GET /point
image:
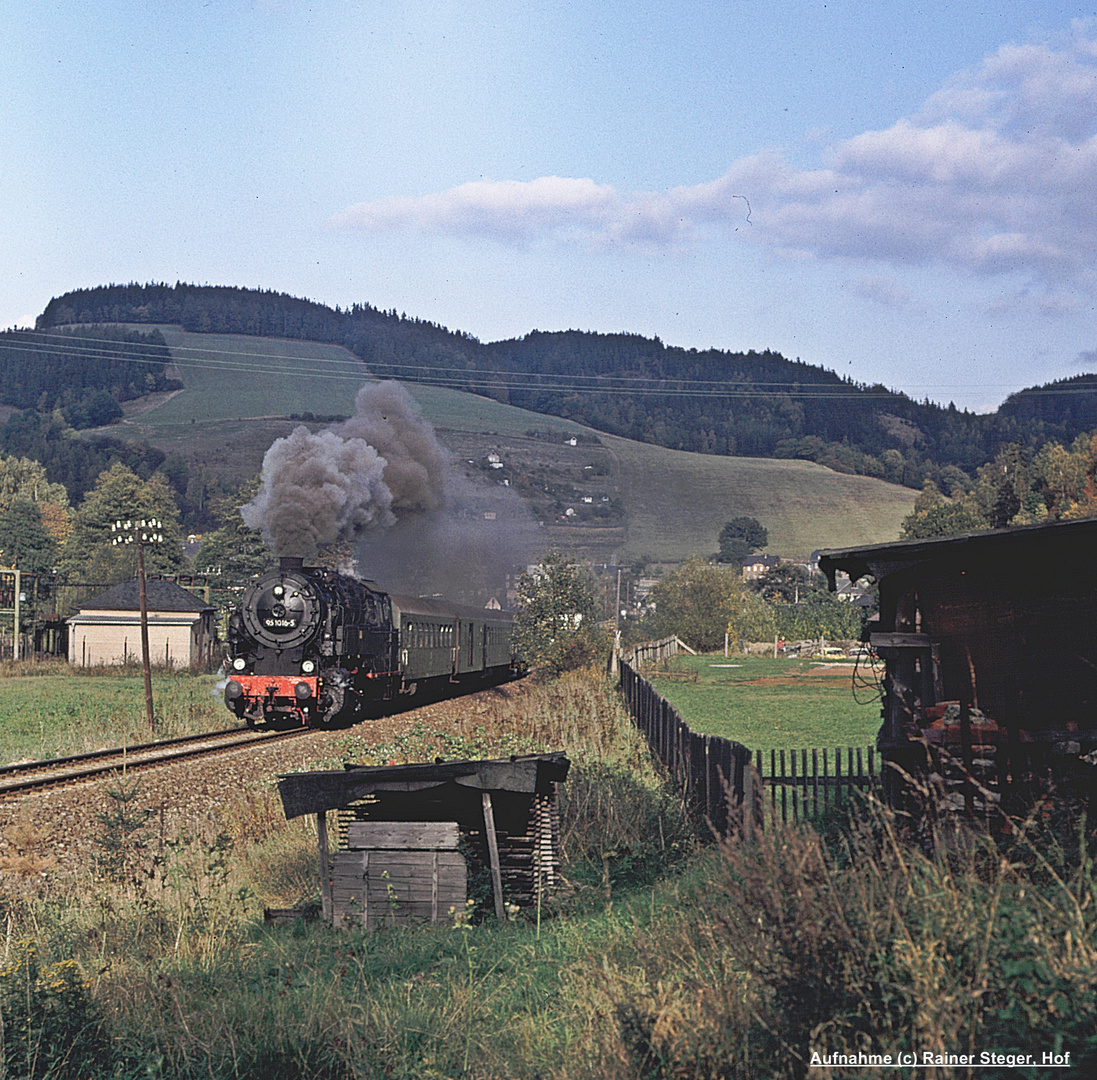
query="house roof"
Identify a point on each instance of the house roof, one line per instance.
(161, 596)
(156, 619)
(761, 560)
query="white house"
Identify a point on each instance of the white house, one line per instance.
(108, 628)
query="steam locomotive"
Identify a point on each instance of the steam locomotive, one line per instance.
(311, 646)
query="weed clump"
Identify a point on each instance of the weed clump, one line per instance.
(868, 946)
(50, 1026)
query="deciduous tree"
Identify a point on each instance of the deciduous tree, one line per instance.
(24, 541)
(234, 551)
(787, 583)
(555, 624)
(740, 537)
(698, 602)
(121, 495)
(934, 516)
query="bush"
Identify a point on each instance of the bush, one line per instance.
(554, 626)
(872, 946)
(619, 832)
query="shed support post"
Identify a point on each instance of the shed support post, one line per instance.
(493, 855)
(325, 868)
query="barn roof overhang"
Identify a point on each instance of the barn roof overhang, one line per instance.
(1063, 540)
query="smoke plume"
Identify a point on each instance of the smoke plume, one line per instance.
(360, 475)
(317, 488)
(416, 464)
(382, 478)
(466, 551)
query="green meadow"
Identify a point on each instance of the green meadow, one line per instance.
(773, 704)
(58, 711)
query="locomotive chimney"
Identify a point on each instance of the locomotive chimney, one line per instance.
(290, 562)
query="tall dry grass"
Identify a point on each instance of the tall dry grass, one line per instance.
(668, 960)
(866, 946)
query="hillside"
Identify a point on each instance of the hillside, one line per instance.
(679, 501)
(645, 500)
(739, 404)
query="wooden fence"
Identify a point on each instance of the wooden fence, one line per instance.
(717, 776)
(807, 784)
(710, 771)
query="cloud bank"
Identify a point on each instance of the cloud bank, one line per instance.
(995, 174)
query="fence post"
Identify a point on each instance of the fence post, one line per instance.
(748, 803)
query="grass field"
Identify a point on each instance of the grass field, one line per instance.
(65, 712)
(773, 704)
(679, 501)
(675, 503)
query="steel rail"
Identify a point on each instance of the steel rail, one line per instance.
(17, 767)
(24, 777)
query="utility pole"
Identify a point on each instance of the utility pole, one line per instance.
(145, 531)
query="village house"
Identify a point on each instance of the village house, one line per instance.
(107, 629)
(754, 566)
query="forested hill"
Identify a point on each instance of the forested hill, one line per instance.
(757, 404)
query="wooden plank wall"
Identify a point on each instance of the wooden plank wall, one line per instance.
(396, 873)
(527, 832)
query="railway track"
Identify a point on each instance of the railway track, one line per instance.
(29, 776)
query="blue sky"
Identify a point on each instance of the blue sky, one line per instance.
(903, 193)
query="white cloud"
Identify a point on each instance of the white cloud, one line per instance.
(553, 206)
(997, 173)
(507, 210)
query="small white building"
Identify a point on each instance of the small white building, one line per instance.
(108, 628)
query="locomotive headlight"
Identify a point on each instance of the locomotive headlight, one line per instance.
(279, 590)
(308, 667)
(239, 664)
(302, 691)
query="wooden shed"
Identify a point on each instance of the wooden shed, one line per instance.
(989, 650)
(415, 840)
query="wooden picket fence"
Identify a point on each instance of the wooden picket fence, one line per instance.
(803, 785)
(718, 776)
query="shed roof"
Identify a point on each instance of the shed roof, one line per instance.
(1061, 541)
(161, 595)
(314, 792)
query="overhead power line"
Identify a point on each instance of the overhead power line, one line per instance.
(248, 361)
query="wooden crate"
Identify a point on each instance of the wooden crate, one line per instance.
(398, 872)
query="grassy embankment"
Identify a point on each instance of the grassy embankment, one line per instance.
(669, 959)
